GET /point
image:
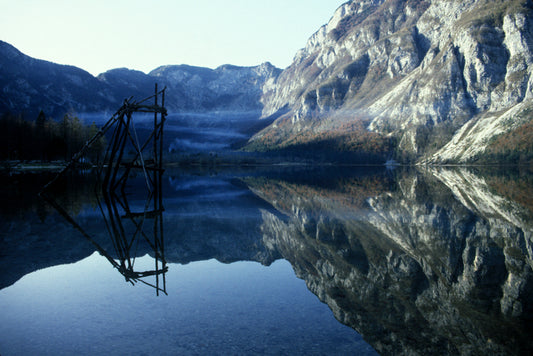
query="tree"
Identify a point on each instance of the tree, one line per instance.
(40, 121)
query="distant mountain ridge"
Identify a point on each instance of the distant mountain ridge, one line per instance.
(30, 85)
(442, 79)
(227, 87)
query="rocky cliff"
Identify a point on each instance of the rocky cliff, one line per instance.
(444, 78)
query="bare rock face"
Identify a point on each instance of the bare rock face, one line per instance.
(433, 74)
(227, 87)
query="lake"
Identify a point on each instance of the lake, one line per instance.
(269, 260)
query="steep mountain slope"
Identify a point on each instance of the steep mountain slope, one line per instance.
(127, 82)
(443, 78)
(30, 85)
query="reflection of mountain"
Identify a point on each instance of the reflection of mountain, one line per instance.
(430, 262)
(205, 218)
(32, 236)
(434, 264)
(213, 217)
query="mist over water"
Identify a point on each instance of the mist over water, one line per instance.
(209, 132)
(193, 132)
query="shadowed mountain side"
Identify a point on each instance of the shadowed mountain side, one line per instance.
(410, 266)
(30, 85)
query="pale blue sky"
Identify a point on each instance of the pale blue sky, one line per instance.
(98, 35)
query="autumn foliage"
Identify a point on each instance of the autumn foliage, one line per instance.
(347, 139)
(515, 146)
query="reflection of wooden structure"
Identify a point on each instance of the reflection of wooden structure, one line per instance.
(128, 152)
(126, 229)
(117, 214)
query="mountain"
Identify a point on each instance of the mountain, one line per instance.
(196, 89)
(443, 80)
(227, 87)
(30, 85)
(422, 81)
(126, 83)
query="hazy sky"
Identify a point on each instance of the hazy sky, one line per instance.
(98, 35)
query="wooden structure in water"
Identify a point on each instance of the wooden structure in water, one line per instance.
(128, 153)
(147, 156)
(125, 135)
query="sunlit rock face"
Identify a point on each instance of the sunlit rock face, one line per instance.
(436, 262)
(443, 77)
(227, 87)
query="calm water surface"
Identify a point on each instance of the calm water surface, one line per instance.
(271, 261)
(211, 308)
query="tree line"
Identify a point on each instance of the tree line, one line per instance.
(45, 139)
(346, 143)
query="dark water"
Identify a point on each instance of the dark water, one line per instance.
(317, 261)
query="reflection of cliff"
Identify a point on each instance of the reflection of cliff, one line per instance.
(434, 264)
(427, 263)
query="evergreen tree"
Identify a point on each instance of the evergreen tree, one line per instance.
(40, 121)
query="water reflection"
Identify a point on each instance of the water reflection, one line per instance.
(211, 309)
(420, 261)
(126, 225)
(427, 262)
(124, 240)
